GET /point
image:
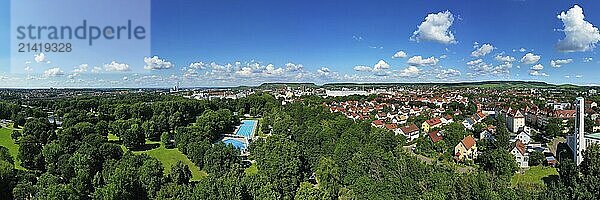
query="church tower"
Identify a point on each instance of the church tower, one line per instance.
(579, 137)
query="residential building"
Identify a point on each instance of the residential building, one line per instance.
(521, 156)
(435, 136)
(393, 127)
(411, 132)
(466, 149)
(524, 135)
(377, 123)
(515, 120)
(430, 124)
(486, 135)
(468, 123)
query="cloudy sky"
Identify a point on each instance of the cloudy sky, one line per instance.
(216, 43)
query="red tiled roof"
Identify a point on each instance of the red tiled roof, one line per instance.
(481, 115)
(409, 129)
(391, 126)
(377, 122)
(564, 113)
(435, 136)
(468, 141)
(520, 146)
(434, 121)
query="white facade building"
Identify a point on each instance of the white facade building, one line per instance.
(524, 136)
(515, 120)
(520, 153)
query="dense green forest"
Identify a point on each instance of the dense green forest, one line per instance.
(304, 152)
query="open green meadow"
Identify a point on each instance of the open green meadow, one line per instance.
(167, 157)
(533, 176)
(7, 141)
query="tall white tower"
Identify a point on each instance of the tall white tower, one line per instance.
(579, 130)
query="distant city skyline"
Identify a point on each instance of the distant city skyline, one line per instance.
(214, 43)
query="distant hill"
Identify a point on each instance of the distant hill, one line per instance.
(480, 84)
(280, 85)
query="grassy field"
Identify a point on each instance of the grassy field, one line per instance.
(252, 170)
(167, 157)
(533, 176)
(6, 141)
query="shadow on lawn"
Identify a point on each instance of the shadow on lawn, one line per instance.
(549, 179)
(146, 147)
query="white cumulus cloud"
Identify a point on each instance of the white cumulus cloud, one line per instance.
(409, 71)
(197, 65)
(80, 68)
(324, 71)
(96, 69)
(245, 71)
(537, 73)
(482, 68)
(507, 58)
(362, 68)
(560, 62)
(580, 35)
(381, 65)
(530, 58)
(537, 67)
(293, 67)
(448, 73)
(53, 72)
(41, 57)
(482, 50)
(475, 62)
(420, 61)
(155, 63)
(435, 28)
(399, 54)
(115, 66)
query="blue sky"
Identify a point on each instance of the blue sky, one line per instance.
(229, 43)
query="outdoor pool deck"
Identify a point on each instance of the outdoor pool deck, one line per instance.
(242, 136)
(246, 129)
(236, 142)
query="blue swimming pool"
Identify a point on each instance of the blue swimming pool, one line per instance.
(246, 128)
(236, 143)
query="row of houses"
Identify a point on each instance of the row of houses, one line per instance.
(469, 122)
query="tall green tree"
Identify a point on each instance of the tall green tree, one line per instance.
(134, 137)
(328, 177)
(180, 173)
(151, 176)
(498, 162)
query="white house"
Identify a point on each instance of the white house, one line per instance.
(486, 135)
(468, 123)
(521, 156)
(515, 120)
(524, 135)
(411, 132)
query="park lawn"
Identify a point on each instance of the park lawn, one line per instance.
(13, 149)
(533, 176)
(167, 157)
(112, 137)
(252, 170)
